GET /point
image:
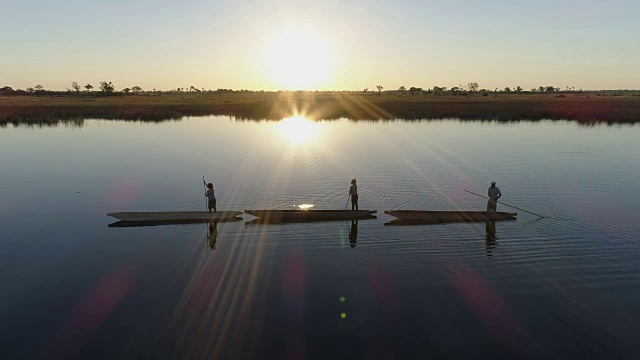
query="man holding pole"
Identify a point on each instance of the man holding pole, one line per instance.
(210, 195)
(494, 194)
(353, 193)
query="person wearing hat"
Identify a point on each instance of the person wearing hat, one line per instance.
(494, 194)
(353, 192)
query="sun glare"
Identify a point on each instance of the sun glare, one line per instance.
(298, 130)
(299, 60)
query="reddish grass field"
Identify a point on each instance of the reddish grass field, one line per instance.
(274, 106)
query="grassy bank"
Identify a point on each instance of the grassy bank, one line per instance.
(258, 106)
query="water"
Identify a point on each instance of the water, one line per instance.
(559, 287)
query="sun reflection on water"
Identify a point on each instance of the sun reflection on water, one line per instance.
(305, 206)
(298, 130)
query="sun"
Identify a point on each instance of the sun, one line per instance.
(299, 60)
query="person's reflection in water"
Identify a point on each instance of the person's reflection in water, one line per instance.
(490, 239)
(353, 233)
(212, 235)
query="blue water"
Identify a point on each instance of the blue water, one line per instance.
(564, 286)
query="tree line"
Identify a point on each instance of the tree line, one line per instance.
(471, 89)
(107, 88)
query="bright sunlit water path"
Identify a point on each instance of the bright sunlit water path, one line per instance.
(544, 288)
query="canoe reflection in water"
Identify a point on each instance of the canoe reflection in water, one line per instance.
(353, 233)
(490, 237)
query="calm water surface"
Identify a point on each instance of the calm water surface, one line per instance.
(567, 286)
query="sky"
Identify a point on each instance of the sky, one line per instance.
(320, 45)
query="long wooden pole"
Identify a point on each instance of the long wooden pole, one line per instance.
(204, 183)
(515, 207)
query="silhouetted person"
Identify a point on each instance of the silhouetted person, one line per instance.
(211, 196)
(353, 193)
(353, 233)
(490, 238)
(494, 194)
(212, 235)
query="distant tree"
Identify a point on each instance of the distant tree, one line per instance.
(473, 86)
(507, 89)
(549, 89)
(402, 89)
(518, 89)
(136, 89)
(7, 90)
(379, 87)
(39, 87)
(126, 90)
(75, 86)
(107, 87)
(365, 90)
(88, 87)
(541, 88)
(30, 90)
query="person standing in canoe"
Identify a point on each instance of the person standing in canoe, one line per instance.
(211, 196)
(494, 194)
(353, 192)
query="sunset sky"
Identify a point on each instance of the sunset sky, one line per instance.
(323, 45)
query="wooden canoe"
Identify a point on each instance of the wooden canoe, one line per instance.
(277, 216)
(122, 224)
(174, 215)
(438, 217)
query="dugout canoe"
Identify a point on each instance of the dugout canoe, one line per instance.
(297, 220)
(127, 224)
(439, 217)
(277, 216)
(174, 215)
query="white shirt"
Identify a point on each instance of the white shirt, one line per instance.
(210, 194)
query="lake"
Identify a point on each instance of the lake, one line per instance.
(563, 286)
